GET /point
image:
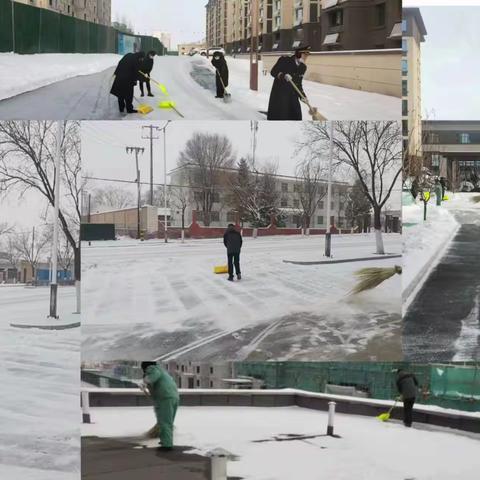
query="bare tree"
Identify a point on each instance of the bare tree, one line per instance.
(114, 198)
(27, 163)
(65, 255)
(357, 208)
(5, 228)
(180, 199)
(30, 247)
(205, 160)
(373, 151)
(310, 186)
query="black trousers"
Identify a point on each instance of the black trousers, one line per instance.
(149, 88)
(233, 259)
(408, 411)
(126, 102)
(220, 89)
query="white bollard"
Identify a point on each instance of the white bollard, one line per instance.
(219, 458)
(331, 416)
(183, 235)
(85, 407)
(255, 232)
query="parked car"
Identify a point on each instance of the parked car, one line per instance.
(203, 52)
(212, 50)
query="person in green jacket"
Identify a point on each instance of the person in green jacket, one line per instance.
(165, 398)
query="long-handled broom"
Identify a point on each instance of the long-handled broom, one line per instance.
(370, 278)
(386, 415)
(313, 111)
(227, 97)
(155, 430)
(167, 104)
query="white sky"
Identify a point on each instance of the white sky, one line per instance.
(184, 19)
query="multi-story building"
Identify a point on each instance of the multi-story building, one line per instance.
(452, 150)
(288, 191)
(96, 11)
(324, 24)
(414, 33)
(186, 48)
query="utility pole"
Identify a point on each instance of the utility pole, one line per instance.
(254, 128)
(137, 151)
(165, 203)
(328, 235)
(254, 45)
(150, 137)
(13, 26)
(33, 256)
(54, 284)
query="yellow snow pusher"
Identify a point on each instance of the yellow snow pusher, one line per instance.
(220, 269)
(143, 108)
(384, 417)
(166, 103)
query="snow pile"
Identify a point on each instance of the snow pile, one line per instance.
(423, 242)
(39, 412)
(463, 201)
(335, 103)
(24, 73)
(368, 449)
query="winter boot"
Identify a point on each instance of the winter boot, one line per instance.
(150, 94)
(230, 279)
(239, 276)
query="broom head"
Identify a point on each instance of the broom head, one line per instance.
(383, 417)
(167, 104)
(227, 97)
(220, 269)
(316, 115)
(144, 109)
(370, 278)
(153, 432)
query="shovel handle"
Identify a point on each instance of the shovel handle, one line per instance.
(303, 97)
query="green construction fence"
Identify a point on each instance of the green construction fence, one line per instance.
(26, 29)
(446, 385)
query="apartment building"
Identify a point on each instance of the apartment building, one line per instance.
(452, 150)
(289, 201)
(414, 33)
(324, 24)
(96, 11)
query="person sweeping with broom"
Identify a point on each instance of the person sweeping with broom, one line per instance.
(221, 77)
(407, 385)
(287, 90)
(164, 393)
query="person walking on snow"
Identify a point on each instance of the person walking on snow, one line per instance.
(407, 385)
(233, 243)
(146, 67)
(438, 192)
(126, 76)
(221, 67)
(443, 183)
(284, 101)
(165, 398)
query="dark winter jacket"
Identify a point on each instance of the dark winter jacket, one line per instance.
(221, 67)
(284, 101)
(126, 75)
(232, 241)
(407, 384)
(146, 67)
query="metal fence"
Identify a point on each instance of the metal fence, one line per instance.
(26, 29)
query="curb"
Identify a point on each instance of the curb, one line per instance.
(47, 327)
(328, 262)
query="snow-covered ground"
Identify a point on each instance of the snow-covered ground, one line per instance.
(23, 73)
(39, 413)
(189, 81)
(143, 288)
(367, 450)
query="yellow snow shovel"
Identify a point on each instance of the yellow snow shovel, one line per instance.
(143, 108)
(383, 417)
(313, 111)
(220, 269)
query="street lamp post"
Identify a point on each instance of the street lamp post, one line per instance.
(165, 203)
(54, 264)
(254, 45)
(328, 234)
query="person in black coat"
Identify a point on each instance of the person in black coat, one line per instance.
(146, 67)
(407, 385)
(220, 64)
(233, 243)
(284, 101)
(126, 76)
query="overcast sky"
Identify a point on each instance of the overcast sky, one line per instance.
(450, 60)
(184, 19)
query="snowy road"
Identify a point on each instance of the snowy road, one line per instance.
(190, 83)
(443, 321)
(39, 414)
(284, 443)
(163, 301)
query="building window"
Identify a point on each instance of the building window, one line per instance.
(320, 219)
(198, 383)
(211, 370)
(404, 88)
(464, 138)
(211, 384)
(284, 187)
(284, 202)
(198, 196)
(404, 108)
(214, 216)
(231, 217)
(434, 138)
(321, 205)
(380, 15)
(404, 26)
(216, 197)
(296, 203)
(404, 66)
(198, 369)
(336, 18)
(405, 128)
(435, 160)
(404, 45)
